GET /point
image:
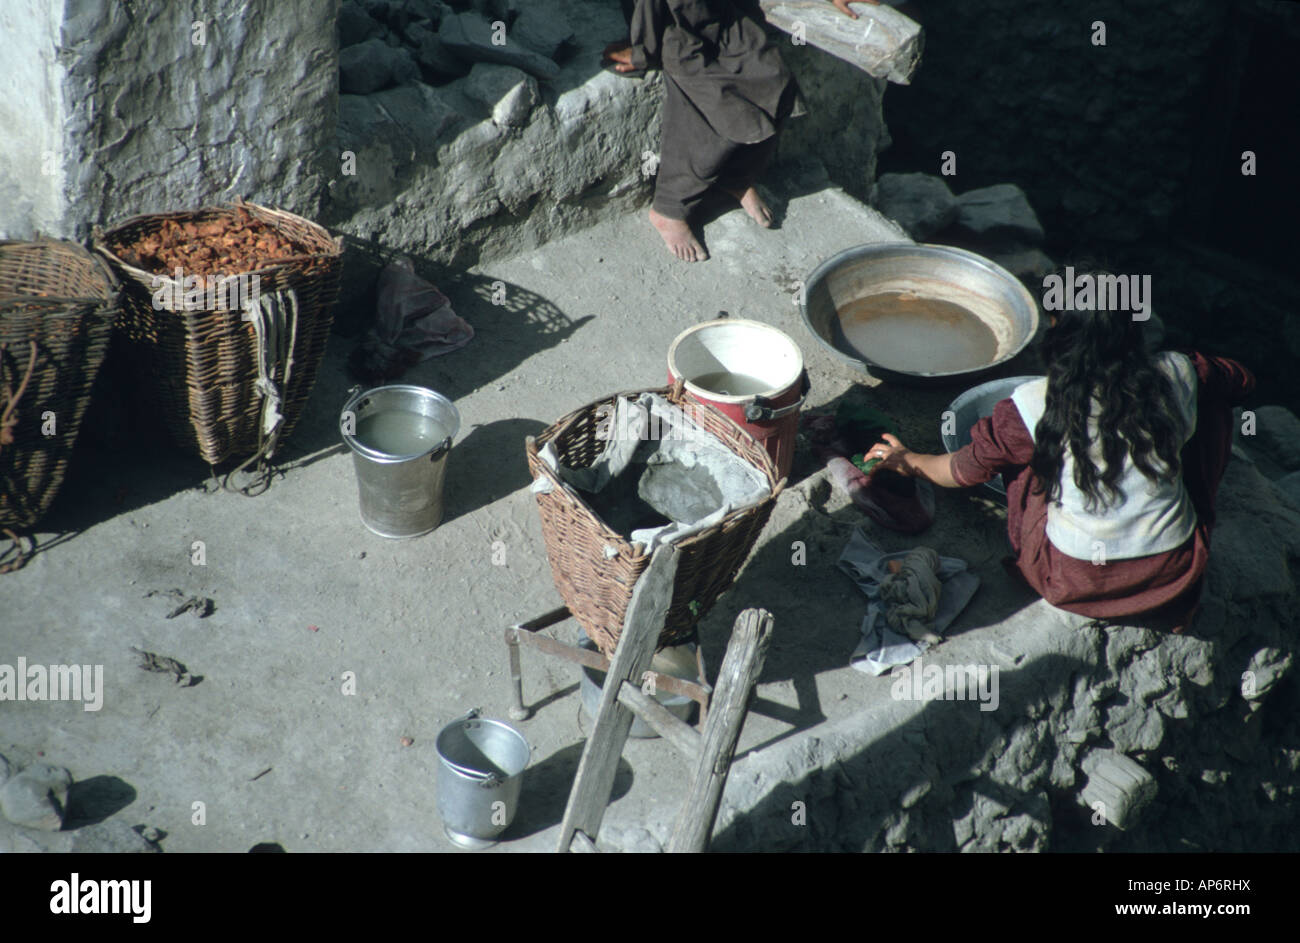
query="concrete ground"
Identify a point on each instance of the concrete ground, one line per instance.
(268, 741)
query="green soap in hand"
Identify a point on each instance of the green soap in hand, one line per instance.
(864, 463)
(862, 427)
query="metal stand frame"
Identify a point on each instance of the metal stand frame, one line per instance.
(530, 634)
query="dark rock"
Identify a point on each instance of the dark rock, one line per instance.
(414, 34)
(1026, 263)
(1278, 434)
(398, 18)
(356, 25)
(36, 797)
(504, 10)
(920, 203)
(997, 212)
(545, 32)
(1289, 485)
(113, 837)
(374, 65)
(431, 10)
(420, 112)
(469, 36)
(437, 61)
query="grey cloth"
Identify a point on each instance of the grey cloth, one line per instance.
(727, 92)
(881, 648)
(686, 474)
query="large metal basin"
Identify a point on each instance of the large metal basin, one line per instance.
(909, 311)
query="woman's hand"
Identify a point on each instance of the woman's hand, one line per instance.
(843, 6)
(892, 453)
(621, 55)
(897, 457)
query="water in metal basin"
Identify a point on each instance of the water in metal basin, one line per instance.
(906, 332)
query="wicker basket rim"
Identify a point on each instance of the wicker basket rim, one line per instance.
(110, 290)
(52, 301)
(560, 425)
(101, 237)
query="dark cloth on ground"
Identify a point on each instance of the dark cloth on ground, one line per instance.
(1163, 586)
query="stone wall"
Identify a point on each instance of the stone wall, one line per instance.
(443, 144)
(149, 106)
(31, 106)
(465, 153)
(1188, 742)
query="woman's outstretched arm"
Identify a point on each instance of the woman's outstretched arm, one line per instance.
(897, 457)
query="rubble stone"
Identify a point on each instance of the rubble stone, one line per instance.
(36, 797)
(374, 65)
(1122, 787)
(470, 35)
(111, 837)
(1001, 211)
(921, 203)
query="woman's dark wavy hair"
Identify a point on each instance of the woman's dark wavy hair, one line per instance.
(1099, 357)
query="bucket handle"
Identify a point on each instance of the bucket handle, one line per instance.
(443, 446)
(490, 780)
(759, 409)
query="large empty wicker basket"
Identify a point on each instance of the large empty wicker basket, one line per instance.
(198, 366)
(597, 586)
(57, 306)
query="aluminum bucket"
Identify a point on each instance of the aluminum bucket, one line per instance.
(400, 436)
(480, 768)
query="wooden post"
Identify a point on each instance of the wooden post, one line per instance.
(882, 42)
(642, 625)
(741, 667)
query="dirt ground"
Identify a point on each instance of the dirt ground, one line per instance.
(268, 741)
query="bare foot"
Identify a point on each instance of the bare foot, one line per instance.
(753, 204)
(681, 241)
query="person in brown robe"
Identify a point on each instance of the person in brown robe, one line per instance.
(727, 93)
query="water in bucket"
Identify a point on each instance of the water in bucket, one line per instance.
(727, 383)
(400, 432)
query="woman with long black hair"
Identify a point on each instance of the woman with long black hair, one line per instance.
(1112, 463)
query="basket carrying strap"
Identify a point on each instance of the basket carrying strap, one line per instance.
(274, 317)
(275, 322)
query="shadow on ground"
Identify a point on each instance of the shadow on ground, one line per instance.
(92, 800)
(123, 460)
(546, 791)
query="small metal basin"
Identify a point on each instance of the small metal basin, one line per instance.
(907, 311)
(972, 406)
